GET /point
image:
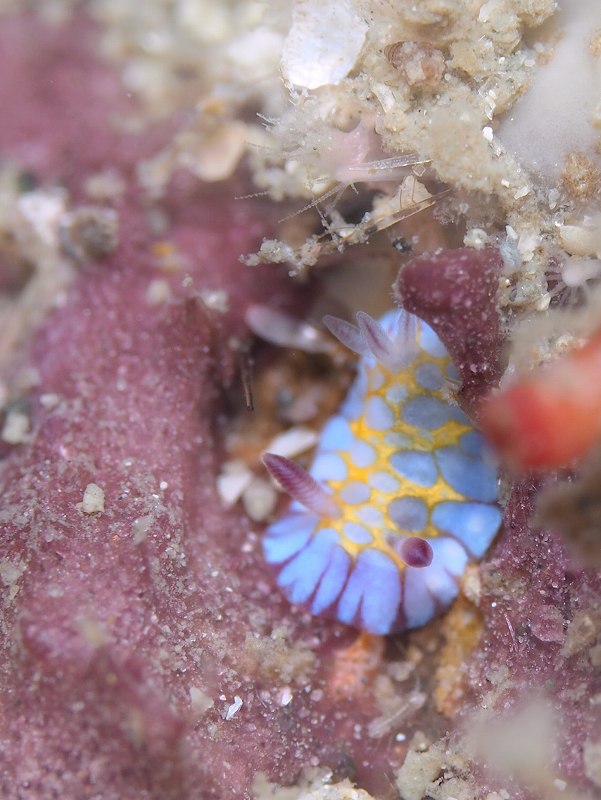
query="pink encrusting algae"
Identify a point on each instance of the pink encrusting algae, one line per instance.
(145, 652)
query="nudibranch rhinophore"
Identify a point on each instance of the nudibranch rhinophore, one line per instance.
(401, 494)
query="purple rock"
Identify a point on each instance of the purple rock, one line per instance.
(145, 651)
(455, 292)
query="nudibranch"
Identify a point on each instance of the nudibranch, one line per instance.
(401, 494)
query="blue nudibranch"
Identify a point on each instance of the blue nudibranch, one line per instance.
(401, 494)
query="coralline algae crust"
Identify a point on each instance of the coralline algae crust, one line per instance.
(145, 652)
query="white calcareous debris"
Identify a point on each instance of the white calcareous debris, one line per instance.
(44, 211)
(93, 499)
(218, 151)
(158, 292)
(233, 481)
(16, 427)
(200, 702)
(216, 300)
(30, 225)
(49, 400)
(141, 527)
(419, 63)
(256, 52)
(527, 243)
(344, 790)
(476, 238)
(272, 251)
(323, 44)
(233, 709)
(259, 499)
(11, 572)
(285, 696)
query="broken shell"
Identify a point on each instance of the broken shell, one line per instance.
(323, 44)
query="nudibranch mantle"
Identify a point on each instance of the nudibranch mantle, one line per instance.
(401, 494)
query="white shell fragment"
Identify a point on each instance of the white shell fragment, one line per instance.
(233, 709)
(323, 44)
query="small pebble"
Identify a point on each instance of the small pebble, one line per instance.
(93, 499)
